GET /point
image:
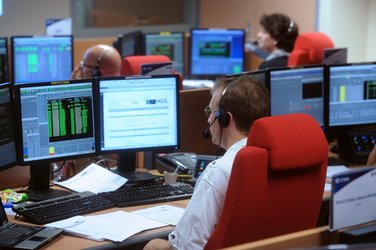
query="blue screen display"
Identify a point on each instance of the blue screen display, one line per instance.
(217, 51)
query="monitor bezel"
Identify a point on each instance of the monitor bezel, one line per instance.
(339, 128)
(134, 150)
(287, 68)
(251, 73)
(12, 38)
(169, 33)
(11, 93)
(17, 89)
(7, 58)
(213, 29)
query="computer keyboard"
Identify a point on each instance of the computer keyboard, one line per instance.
(51, 210)
(149, 193)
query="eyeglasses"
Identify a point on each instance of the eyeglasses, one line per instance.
(208, 111)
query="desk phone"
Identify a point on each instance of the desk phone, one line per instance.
(189, 163)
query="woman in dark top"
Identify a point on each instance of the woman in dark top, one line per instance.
(277, 37)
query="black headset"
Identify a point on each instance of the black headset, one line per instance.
(96, 72)
(222, 116)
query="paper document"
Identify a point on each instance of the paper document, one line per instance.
(164, 213)
(94, 178)
(115, 226)
(353, 198)
(332, 170)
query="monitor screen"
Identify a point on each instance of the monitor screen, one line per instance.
(41, 58)
(4, 59)
(138, 114)
(297, 90)
(351, 94)
(56, 123)
(130, 44)
(170, 44)
(217, 51)
(7, 136)
(57, 120)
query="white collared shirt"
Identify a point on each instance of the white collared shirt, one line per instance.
(202, 213)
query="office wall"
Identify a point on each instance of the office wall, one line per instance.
(351, 24)
(245, 13)
(25, 17)
(371, 41)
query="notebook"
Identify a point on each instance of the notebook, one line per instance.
(19, 236)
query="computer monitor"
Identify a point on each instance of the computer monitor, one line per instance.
(41, 58)
(335, 56)
(170, 44)
(138, 114)
(56, 122)
(216, 52)
(4, 60)
(130, 44)
(351, 95)
(8, 148)
(297, 90)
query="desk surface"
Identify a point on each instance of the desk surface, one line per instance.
(72, 242)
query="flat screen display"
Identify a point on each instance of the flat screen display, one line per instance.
(41, 58)
(351, 94)
(298, 90)
(217, 51)
(57, 120)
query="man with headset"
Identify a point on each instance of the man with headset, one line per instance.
(98, 60)
(235, 104)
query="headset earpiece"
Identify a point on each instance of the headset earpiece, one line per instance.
(223, 118)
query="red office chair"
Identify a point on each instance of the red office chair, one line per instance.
(131, 65)
(308, 48)
(277, 182)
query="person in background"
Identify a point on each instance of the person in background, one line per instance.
(235, 104)
(277, 37)
(98, 60)
(372, 157)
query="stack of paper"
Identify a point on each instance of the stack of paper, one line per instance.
(115, 226)
(94, 178)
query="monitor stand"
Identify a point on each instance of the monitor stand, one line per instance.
(126, 167)
(39, 186)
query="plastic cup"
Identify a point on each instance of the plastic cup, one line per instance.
(170, 177)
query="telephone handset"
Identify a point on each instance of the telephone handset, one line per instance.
(169, 162)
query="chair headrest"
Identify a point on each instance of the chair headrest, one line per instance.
(309, 47)
(294, 141)
(131, 65)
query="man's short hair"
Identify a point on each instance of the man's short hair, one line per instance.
(245, 98)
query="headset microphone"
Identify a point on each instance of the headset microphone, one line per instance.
(206, 133)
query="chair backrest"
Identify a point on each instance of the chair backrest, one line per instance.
(277, 181)
(309, 48)
(131, 65)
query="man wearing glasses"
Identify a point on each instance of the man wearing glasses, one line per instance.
(98, 60)
(235, 104)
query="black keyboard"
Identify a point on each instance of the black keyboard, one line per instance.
(51, 210)
(12, 233)
(149, 193)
